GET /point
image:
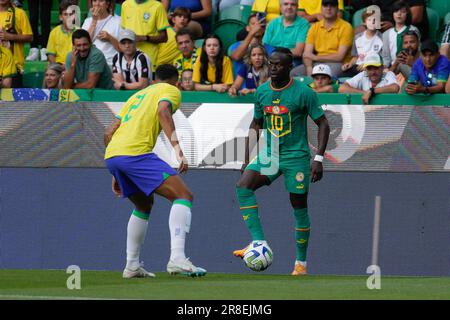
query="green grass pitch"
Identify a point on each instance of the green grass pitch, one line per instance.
(51, 284)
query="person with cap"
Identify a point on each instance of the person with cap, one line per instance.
(429, 73)
(86, 66)
(372, 80)
(131, 68)
(323, 80)
(328, 41)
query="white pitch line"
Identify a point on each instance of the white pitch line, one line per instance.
(19, 296)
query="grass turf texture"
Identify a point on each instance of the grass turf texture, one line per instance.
(51, 284)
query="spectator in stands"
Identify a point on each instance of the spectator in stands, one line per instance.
(201, 12)
(213, 71)
(255, 32)
(53, 76)
(186, 83)
(60, 39)
(86, 66)
(328, 41)
(392, 38)
(149, 22)
(39, 9)
(288, 31)
(429, 73)
(131, 68)
(253, 72)
(188, 53)
(323, 81)
(168, 51)
(104, 28)
(7, 68)
(311, 10)
(408, 55)
(269, 9)
(445, 42)
(367, 41)
(15, 31)
(371, 81)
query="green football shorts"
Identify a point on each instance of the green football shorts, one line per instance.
(296, 171)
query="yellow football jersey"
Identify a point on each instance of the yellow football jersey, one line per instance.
(140, 127)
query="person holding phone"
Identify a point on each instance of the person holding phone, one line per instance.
(429, 74)
(408, 55)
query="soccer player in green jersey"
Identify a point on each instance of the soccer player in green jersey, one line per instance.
(281, 110)
(138, 173)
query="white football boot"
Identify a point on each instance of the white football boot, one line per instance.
(186, 268)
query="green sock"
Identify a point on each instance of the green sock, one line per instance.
(249, 210)
(302, 229)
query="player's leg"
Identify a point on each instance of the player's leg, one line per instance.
(175, 190)
(296, 174)
(136, 232)
(299, 204)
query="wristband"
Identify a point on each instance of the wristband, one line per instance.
(318, 158)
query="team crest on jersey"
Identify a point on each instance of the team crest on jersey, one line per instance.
(299, 176)
(146, 16)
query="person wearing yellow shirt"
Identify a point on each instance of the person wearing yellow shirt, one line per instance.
(60, 39)
(148, 20)
(213, 71)
(15, 30)
(329, 41)
(138, 173)
(168, 51)
(311, 10)
(7, 68)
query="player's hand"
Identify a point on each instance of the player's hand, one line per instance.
(316, 171)
(116, 188)
(183, 163)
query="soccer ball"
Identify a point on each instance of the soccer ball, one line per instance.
(258, 256)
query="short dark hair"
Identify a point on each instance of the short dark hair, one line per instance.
(65, 4)
(183, 32)
(80, 33)
(166, 72)
(182, 11)
(285, 51)
(411, 33)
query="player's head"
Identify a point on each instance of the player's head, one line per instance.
(280, 63)
(167, 73)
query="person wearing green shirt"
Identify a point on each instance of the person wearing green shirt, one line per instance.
(86, 66)
(282, 107)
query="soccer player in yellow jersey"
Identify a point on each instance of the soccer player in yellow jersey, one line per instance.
(138, 173)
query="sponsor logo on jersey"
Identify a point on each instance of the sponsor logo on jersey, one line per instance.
(300, 186)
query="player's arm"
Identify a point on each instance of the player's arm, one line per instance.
(168, 126)
(252, 139)
(322, 138)
(109, 131)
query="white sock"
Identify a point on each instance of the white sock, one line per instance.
(136, 231)
(179, 225)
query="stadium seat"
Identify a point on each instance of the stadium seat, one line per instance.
(33, 79)
(235, 12)
(199, 43)
(357, 19)
(227, 31)
(447, 18)
(433, 23)
(442, 7)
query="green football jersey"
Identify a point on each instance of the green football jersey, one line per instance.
(285, 112)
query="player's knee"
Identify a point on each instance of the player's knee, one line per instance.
(186, 194)
(299, 201)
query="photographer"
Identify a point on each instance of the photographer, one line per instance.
(408, 55)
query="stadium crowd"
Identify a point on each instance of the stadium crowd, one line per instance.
(120, 43)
